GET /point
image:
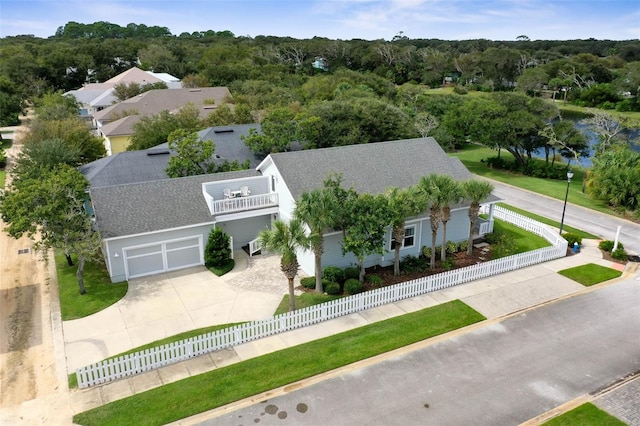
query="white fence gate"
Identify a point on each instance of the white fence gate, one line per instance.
(128, 365)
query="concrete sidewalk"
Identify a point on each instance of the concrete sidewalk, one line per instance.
(493, 297)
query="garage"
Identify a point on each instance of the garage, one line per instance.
(162, 257)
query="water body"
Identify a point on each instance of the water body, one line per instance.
(633, 135)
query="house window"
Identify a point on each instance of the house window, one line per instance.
(409, 238)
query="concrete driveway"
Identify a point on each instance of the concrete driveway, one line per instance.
(163, 305)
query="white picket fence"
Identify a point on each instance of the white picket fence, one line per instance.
(128, 365)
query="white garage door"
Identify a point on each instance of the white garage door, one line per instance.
(161, 257)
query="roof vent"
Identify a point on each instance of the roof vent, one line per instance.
(222, 130)
(158, 152)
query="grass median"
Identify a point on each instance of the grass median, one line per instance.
(219, 387)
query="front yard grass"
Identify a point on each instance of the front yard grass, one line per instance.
(216, 388)
(590, 274)
(73, 379)
(550, 222)
(472, 154)
(304, 300)
(523, 240)
(585, 415)
(101, 292)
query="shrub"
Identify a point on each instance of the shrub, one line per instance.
(449, 263)
(308, 282)
(426, 252)
(607, 245)
(460, 90)
(218, 251)
(497, 163)
(352, 286)
(333, 273)
(619, 253)
(332, 288)
(452, 247)
(572, 238)
(413, 264)
(351, 272)
(220, 270)
(375, 280)
(502, 244)
(463, 245)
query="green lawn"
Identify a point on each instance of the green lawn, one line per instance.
(472, 154)
(206, 391)
(304, 300)
(590, 274)
(101, 292)
(585, 415)
(524, 240)
(550, 222)
(73, 379)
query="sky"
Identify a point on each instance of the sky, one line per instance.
(342, 19)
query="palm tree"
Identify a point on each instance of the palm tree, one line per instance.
(428, 186)
(317, 209)
(402, 203)
(450, 193)
(286, 238)
(475, 191)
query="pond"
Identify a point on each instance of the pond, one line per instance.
(577, 119)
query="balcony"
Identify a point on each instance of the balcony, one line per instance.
(239, 203)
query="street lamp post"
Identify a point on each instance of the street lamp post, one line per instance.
(566, 196)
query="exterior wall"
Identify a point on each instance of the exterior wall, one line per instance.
(245, 230)
(116, 266)
(286, 202)
(119, 143)
(457, 230)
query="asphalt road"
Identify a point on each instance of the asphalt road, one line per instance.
(502, 374)
(587, 220)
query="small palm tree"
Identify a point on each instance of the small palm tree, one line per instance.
(286, 239)
(402, 204)
(450, 193)
(428, 186)
(317, 209)
(475, 191)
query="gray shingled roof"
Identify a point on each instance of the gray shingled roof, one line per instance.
(368, 168)
(153, 206)
(139, 166)
(158, 100)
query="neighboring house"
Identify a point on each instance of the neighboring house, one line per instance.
(163, 225)
(95, 97)
(151, 164)
(114, 121)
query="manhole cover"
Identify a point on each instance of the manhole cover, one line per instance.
(23, 251)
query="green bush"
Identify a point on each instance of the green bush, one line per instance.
(352, 286)
(308, 282)
(503, 244)
(607, 245)
(333, 273)
(426, 252)
(460, 90)
(218, 251)
(375, 280)
(572, 238)
(351, 272)
(619, 253)
(452, 247)
(332, 288)
(220, 270)
(463, 245)
(449, 263)
(413, 264)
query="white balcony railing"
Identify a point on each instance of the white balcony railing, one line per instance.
(238, 204)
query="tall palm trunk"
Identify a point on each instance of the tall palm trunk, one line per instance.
(474, 212)
(318, 249)
(292, 296)
(446, 216)
(398, 236)
(434, 217)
